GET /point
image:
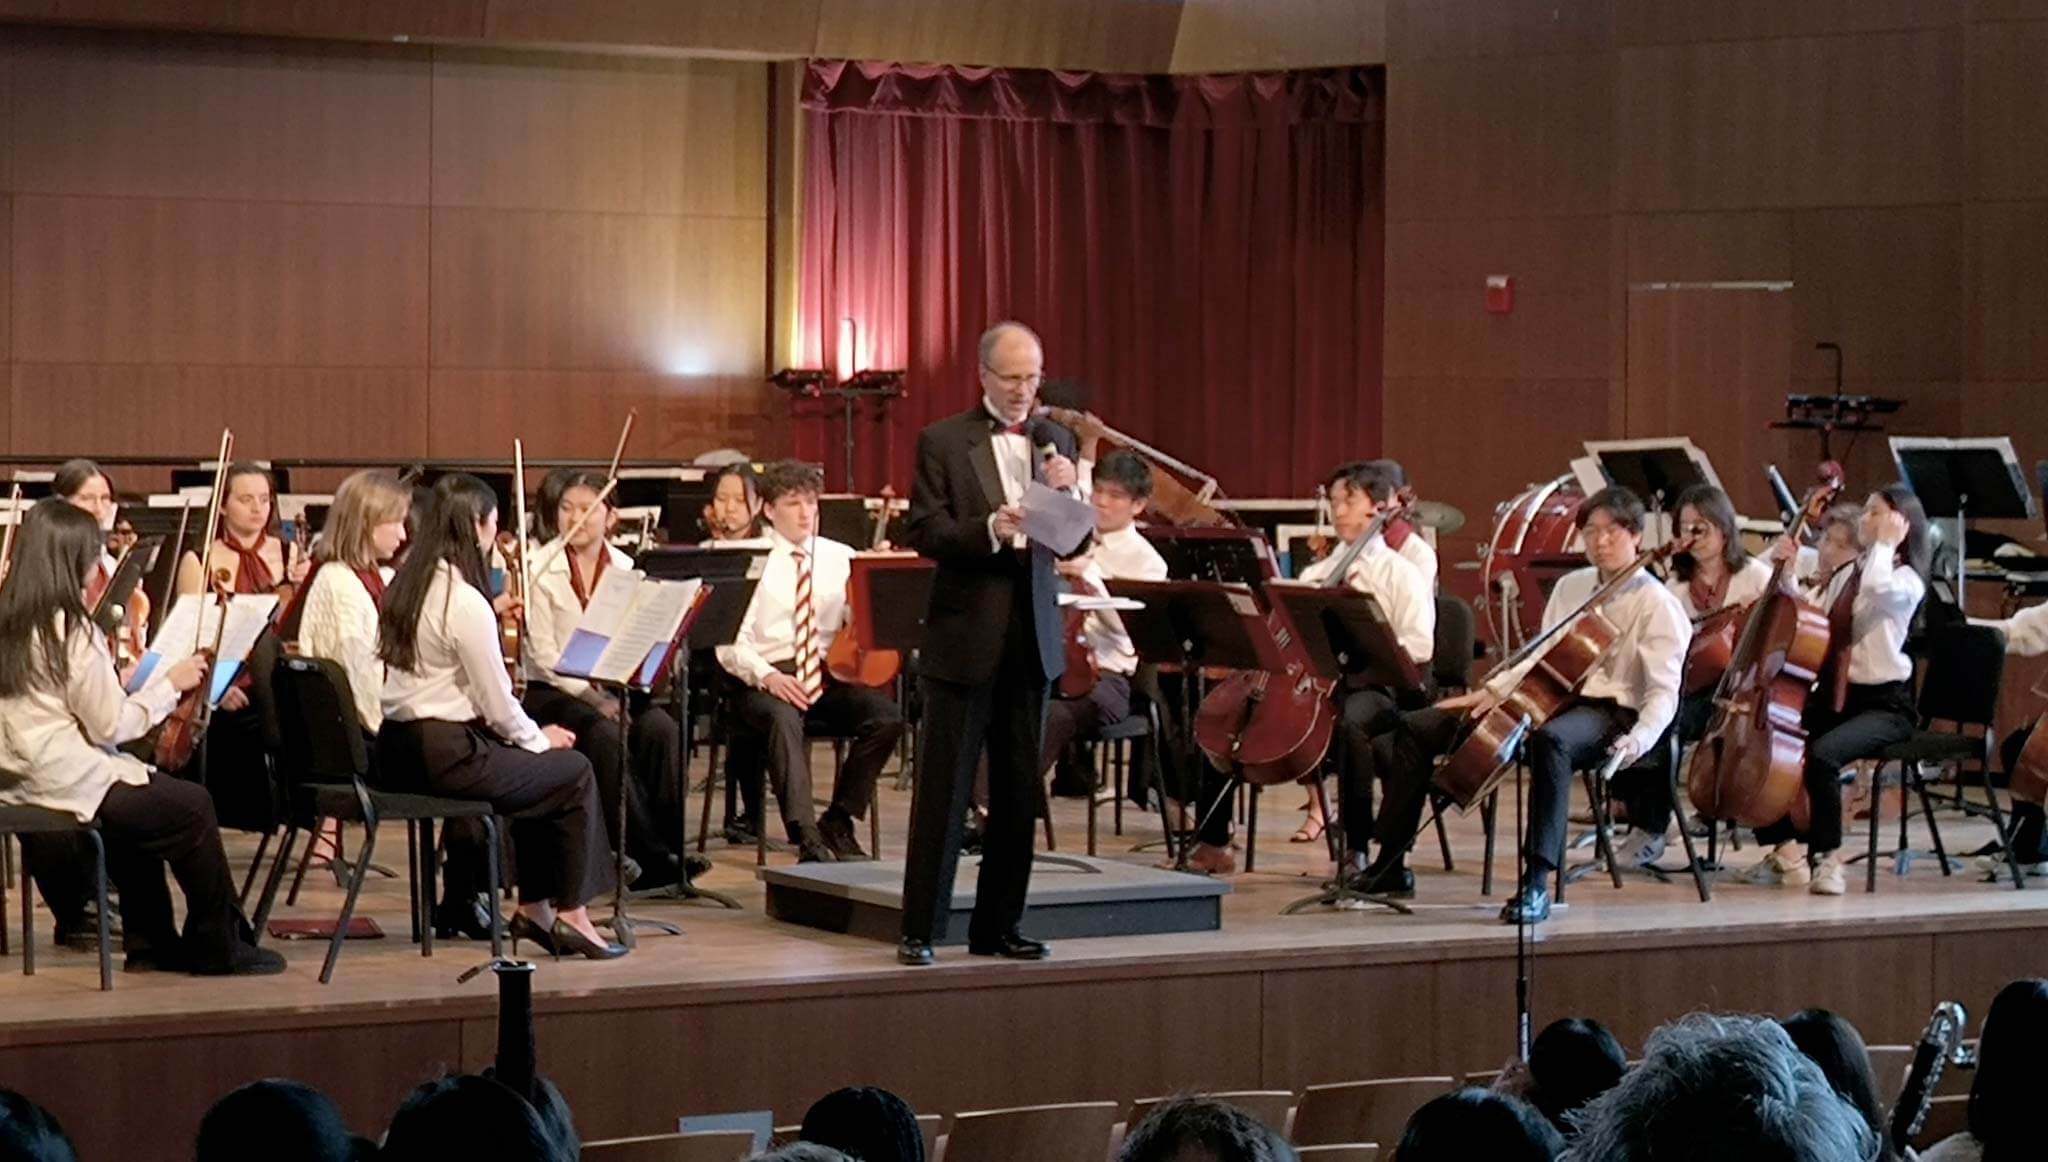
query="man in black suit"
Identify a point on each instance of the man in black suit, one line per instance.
(992, 646)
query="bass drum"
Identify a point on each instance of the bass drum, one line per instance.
(1535, 541)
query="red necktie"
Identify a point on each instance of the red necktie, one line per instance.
(808, 674)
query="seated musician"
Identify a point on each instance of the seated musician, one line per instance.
(1402, 535)
(563, 581)
(1357, 491)
(66, 712)
(1621, 709)
(798, 608)
(81, 484)
(338, 621)
(1863, 701)
(1716, 573)
(2026, 636)
(1122, 486)
(732, 517)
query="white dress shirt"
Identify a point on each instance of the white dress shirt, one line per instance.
(1403, 593)
(1013, 465)
(1641, 672)
(552, 613)
(764, 541)
(1881, 618)
(1124, 555)
(767, 634)
(461, 676)
(2026, 632)
(339, 623)
(1748, 584)
(1418, 552)
(57, 742)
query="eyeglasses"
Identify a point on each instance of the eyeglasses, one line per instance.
(1599, 531)
(1699, 529)
(1028, 379)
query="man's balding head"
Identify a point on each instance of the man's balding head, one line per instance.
(1012, 367)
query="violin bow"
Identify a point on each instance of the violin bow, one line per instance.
(13, 523)
(213, 516)
(519, 519)
(611, 483)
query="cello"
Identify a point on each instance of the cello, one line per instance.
(1750, 766)
(850, 660)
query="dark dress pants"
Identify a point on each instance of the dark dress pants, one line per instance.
(170, 822)
(654, 746)
(867, 714)
(1871, 719)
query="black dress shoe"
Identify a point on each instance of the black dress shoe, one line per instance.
(837, 832)
(469, 919)
(1393, 883)
(1011, 945)
(916, 953)
(569, 940)
(522, 928)
(1530, 906)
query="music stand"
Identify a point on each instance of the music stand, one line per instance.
(1957, 479)
(1345, 632)
(844, 518)
(135, 565)
(1227, 555)
(1189, 625)
(1655, 470)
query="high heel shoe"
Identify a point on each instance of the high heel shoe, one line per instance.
(523, 928)
(575, 943)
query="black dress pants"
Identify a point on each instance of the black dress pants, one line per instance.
(2029, 820)
(1071, 719)
(1644, 787)
(1871, 719)
(170, 822)
(867, 714)
(1364, 714)
(655, 745)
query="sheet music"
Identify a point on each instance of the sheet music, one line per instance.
(652, 621)
(1055, 519)
(193, 618)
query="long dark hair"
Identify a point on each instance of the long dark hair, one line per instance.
(2005, 1096)
(1716, 509)
(43, 602)
(1834, 1045)
(447, 532)
(1918, 552)
(1571, 1062)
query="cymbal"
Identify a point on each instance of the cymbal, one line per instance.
(1435, 514)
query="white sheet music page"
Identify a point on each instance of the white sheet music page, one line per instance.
(652, 619)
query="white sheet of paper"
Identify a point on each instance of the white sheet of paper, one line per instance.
(248, 616)
(1055, 519)
(180, 629)
(655, 614)
(608, 606)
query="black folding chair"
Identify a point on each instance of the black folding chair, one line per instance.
(19, 821)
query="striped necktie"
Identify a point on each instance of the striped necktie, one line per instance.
(808, 672)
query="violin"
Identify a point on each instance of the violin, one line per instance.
(179, 737)
(126, 639)
(850, 660)
(1320, 542)
(1750, 766)
(294, 539)
(512, 622)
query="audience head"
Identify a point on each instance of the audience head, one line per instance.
(470, 1117)
(280, 1120)
(1571, 1062)
(804, 1152)
(870, 1124)
(29, 1133)
(789, 498)
(2009, 1073)
(1713, 1088)
(1197, 1129)
(1833, 1044)
(1478, 1123)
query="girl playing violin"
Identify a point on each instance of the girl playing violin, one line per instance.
(247, 547)
(1863, 701)
(81, 484)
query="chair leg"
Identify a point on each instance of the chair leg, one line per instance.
(1692, 855)
(1876, 819)
(1489, 815)
(875, 820)
(761, 828)
(412, 875)
(276, 877)
(348, 902)
(497, 917)
(291, 899)
(6, 850)
(1119, 773)
(426, 876)
(28, 917)
(1603, 829)
(1095, 762)
(1933, 828)
(1443, 836)
(106, 925)
(1251, 828)
(711, 781)
(256, 864)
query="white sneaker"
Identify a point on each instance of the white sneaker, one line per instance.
(1639, 850)
(1828, 879)
(1995, 870)
(1784, 865)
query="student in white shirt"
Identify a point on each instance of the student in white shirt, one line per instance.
(1122, 485)
(779, 653)
(1622, 708)
(338, 621)
(62, 713)
(1863, 700)
(453, 728)
(1402, 535)
(563, 584)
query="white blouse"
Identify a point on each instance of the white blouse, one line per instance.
(1881, 618)
(339, 623)
(552, 613)
(1748, 584)
(57, 742)
(461, 675)
(1403, 593)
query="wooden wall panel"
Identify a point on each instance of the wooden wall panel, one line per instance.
(1972, 967)
(1735, 247)
(598, 291)
(277, 411)
(1562, 326)
(1822, 121)
(1686, 22)
(1134, 36)
(2005, 298)
(340, 19)
(145, 281)
(1511, 137)
(1882, 283)
(156, 116)
(1341, 1024)
(2008, 129)
(780, 28)
(1228, 36)
(528, 131)
(1430, 29)
(577, 413)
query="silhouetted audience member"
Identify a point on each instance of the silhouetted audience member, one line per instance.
(2004, 1121)
(1714, 1088)
(803, 1152)
(870, 1124)
(471, 1117)
(1834, 1044)
(278, 1120)
(1479, 1123)
(30, 1133)
(1197, 1129)
(1571, 1062)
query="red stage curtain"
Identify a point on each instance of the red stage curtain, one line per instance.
(1204, 252)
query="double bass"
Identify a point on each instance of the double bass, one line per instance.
(1750, 767)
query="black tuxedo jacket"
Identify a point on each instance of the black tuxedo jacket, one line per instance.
(956, 490)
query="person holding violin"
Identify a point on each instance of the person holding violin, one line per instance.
(1122, 485)
(732, 517)
(67, 711)
(452, 727)
(1715, 579)
(779, 653)
(1863, 699)
(562, 588)
(249, 548)
(1357, 492)
(1620, 711)
(338, 619)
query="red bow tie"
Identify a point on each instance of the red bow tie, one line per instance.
(1016, 429)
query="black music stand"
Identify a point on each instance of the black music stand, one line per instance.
(1228, 555)
(135, 565)
(1963, 478)
(1189, 625)
(1345, 633)
(1655, 470)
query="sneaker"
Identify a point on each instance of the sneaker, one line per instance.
(1784, 865)
(1827, 876)
(1639, 850)
(1995, 870)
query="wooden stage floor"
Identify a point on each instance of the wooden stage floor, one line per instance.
(744, 1012)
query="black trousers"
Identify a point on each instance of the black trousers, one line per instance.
(869, 715)
(1871, 719)
(1644, 787)
(1004, 717)
(60, 863)
(1364, 714)
(1403, 759)
(656, 746)
(2029, 820)
(170, 822)
(558, 839)
(1069, 719)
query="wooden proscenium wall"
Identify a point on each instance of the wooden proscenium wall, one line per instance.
(1884, 157)
(379, 250)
